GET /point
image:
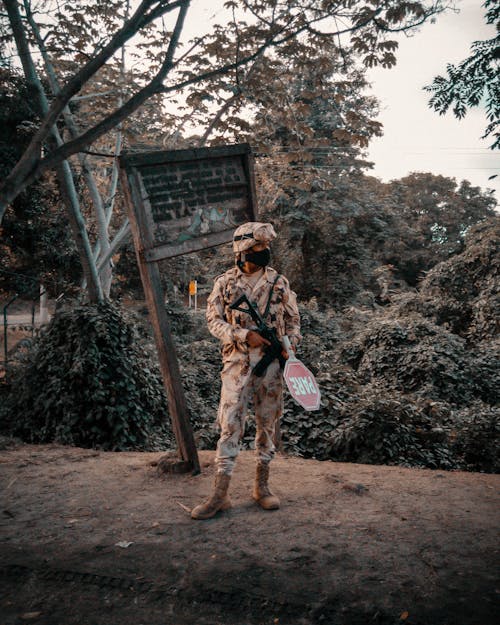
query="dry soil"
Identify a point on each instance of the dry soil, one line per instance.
(91, 537)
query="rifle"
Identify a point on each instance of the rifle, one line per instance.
(272, 351)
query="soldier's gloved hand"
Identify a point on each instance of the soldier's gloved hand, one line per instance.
(254, 339)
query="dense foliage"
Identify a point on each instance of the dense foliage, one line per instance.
(405, 383)
(87, 383)
(409, 382)
(398, 282)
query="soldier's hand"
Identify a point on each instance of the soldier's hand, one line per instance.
(286, 355)
(254, 339)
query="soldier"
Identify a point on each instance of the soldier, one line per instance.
(242, 349)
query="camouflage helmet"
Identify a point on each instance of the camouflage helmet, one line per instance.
(249, 234)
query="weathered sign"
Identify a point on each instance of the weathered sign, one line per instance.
(192, 199)
(179, 202)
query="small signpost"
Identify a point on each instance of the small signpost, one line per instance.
(193, 293)
(179, 202)
(300, 381)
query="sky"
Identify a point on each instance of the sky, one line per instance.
(416, 138)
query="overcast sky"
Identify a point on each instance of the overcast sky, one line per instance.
(417, 138)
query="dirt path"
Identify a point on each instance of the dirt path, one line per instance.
(352, 544)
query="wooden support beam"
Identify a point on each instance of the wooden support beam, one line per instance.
(150, 276)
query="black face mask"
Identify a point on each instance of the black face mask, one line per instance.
(261, 259)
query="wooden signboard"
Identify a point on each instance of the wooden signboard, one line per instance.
(179, 202)
(192, 199)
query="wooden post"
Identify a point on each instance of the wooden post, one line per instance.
(44, 313)
(150, 276)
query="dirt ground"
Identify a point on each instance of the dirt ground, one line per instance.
(91, 537)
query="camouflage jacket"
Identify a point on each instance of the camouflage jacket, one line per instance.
(232, 326)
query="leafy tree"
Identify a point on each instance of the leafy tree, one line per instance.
(475, 78)
(89, 195)
(256, 31)
(434, 215)
(310, 175)
(311, 123)
(277, 24)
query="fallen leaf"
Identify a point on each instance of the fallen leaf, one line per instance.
(404, 616)
(27, 616)
(359, 489)
(124, 544)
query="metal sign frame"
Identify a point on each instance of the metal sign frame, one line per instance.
(176, 194)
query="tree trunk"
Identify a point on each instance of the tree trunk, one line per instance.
(64, 172)
(105, 274)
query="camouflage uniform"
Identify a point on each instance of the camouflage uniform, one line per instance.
(239, 385)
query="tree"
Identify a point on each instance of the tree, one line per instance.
(35, 244)
(217, 64)
(90, 197)
(431, 216)
(275, 24)
(474, 80)
(312, 124)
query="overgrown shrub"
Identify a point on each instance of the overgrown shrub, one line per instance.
(453, 315)
(389, 430)
(200, 366)
(485, 371)
(468, 283)
(476, 438)
(87, 383)
(307, 434)
(412, 354)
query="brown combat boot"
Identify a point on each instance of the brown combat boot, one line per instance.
(261, 492)
(218, 501)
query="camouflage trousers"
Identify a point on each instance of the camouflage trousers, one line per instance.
(239, 386)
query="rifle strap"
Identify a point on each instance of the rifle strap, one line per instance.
(268, 305)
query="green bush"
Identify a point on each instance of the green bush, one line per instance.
(87, 383)
(476, 439)
(412, 354)
(390, 430)
(307, 434)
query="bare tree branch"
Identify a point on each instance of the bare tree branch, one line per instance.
(217, 117)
